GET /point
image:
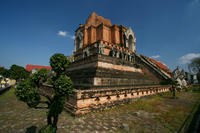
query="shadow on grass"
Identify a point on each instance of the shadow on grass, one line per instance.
(192, 125)
(163, 95)
(31, 129)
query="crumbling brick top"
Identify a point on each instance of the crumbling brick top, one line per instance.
(96, 20)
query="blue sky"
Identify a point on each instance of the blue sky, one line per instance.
(31, 31)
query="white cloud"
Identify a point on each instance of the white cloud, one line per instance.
(186, 58)
(73, 37)
(155, 56)
(62, 33)
(65, 34)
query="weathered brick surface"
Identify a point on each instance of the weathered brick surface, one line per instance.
(96, 20)
(99, 32)
(151, 75)
(85, 39)
(94, 37)
(98, 28)
(115, 34)
(106, 65)
(89, 35)
(102, 81)
(86, 101)
(106, 34)
(106, 51)
(112, 71)
(103, 58)
(152, 71)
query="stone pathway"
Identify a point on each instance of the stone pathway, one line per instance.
(15, 117)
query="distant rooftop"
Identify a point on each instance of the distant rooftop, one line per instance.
(31, 67)
(2, 67)
(160, 65)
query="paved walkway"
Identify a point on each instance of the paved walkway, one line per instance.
(15, 117)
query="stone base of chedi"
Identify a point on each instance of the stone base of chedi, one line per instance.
(93, 100)
(106, 70)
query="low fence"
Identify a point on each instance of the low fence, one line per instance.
(4, 90)
(3, 85)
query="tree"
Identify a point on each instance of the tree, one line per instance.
(18, 72)
(186, 78)
(27, 92)
(4, 72)
(173, 88)
(195, 65)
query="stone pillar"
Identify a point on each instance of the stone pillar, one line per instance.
(122, 55)
(125, 56)
(99, 48)
(195, 81)
(117, 54)
(86, 52)
(129, 57)
(189, 79)
(78, 41)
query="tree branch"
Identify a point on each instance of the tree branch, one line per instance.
(42, 108)
(43, 94)
(40, 102)
(48, 103)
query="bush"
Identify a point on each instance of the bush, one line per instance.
(48, 129)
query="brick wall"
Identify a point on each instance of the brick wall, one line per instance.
(96, 20)
(106, 34)
(86, 101)
(111, 34)
(85, 39)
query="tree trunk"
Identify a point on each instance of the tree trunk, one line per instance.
(174, 91)
(49, 120)
(55, 121)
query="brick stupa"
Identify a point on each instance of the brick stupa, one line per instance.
(107, 71)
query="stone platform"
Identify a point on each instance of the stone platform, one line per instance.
(105, 97)
(105, 70)
(102, 82)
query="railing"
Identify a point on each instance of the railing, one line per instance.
(4, 90)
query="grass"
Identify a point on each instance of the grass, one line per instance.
(8, 95)
(194, 88)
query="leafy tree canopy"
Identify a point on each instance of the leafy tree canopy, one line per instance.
(195, 65)
(27, 92)
(4, 72)
(59, 63)
(18, 72)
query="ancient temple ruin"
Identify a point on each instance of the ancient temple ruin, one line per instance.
(106, 70)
